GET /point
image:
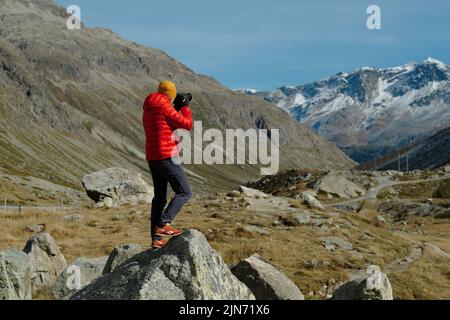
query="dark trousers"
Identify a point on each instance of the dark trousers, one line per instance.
(166, 172)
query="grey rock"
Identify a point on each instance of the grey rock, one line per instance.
(265, 281)
(46, 261)
(78, 275)
(303, 218)
(365, 289)
(117, 186)
(15, 275)
(355, 206)
(312, 202)
(257, 229)
(378, 221)
(337, 185)
(73, 218)
(253, 193)
(331, 243)
(186, 268)
(121, 254)
(36, 228)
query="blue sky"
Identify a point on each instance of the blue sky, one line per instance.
(263, 44)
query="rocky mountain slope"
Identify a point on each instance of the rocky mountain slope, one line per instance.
(430, 153)
(71, 103)
(370, 112)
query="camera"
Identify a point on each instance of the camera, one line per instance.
(181, 100)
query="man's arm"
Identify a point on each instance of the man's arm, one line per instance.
(179, 120)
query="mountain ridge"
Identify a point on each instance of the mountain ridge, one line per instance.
(72, 103)
(371, 111)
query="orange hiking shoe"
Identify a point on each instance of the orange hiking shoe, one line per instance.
(158, 244)
(167, 230)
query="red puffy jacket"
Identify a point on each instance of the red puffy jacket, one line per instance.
(160, 120)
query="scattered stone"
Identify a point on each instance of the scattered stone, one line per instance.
(331, 243)
(316, 264)
(36, 228)
(337, 185)
(116, 186)
(265, 281)
(186, 268)
(46, 261)
(119, 255)
(73, 218)
(378, 221)
(234, 194)
(109, 203)
(256, 229)
(312, 202)
(354, 206)
(320, 222)
(303, 218)
(276, 223)
(377, 287)
(15, 275)
(78, 275)
(253, 193)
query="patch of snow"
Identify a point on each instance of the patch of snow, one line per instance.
(440, 64)
(299, 99)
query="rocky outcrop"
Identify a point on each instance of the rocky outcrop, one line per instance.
(46, 261)
(117, 186)
(372, 287)
(337, 185)
(15, 275)
(78, 275)
(265, 281)
(186, 268)
(119, 255)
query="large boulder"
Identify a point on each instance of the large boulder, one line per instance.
(78, 275)
(186, 268)
(371, 287)
(119, 255)
(46, 260)
(117, 186)
(265, 281)
(15, 275)
(337, 185)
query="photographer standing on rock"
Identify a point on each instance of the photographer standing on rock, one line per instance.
(165, 112)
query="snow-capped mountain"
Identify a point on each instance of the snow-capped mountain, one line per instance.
(371, 112)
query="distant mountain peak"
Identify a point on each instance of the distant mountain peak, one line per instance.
(379, 108)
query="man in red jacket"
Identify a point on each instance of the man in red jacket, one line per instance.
(160, 120)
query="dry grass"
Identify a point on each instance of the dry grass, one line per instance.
(289, 248)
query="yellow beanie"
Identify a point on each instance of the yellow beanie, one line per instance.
(168, 88)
